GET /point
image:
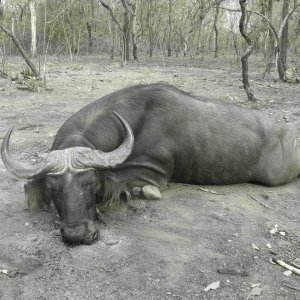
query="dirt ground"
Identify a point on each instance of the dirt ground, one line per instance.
(168, 249)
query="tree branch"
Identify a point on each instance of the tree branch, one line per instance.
(277, 36)
(22, 51)
(111, 14)
(287, 18)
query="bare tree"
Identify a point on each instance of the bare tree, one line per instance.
(126, 29)
(71, 34)
(89, 20)
(185, 17)
(22, 51)
(202, 8)
(281, 67)
(247, 53)
(270, 41)
(216, 54)
(33, 27)
(191, 26)
(130, 26)
(280, 37)
(169, 42)
(285, 33)
(150, 25)
(17, 43)
(134, 31)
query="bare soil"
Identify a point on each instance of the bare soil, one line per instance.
(167, 249)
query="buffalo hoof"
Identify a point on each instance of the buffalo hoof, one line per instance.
(79, 233)
(151, 192)
(137, 191)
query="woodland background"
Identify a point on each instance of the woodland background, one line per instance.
(130, 29)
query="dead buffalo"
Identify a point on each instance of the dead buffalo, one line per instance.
(138, 138)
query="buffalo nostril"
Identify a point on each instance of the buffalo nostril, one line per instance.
(79, 233)
(73, 233)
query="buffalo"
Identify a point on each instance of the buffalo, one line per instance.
(133, 141)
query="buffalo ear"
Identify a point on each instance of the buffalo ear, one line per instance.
(35, 196)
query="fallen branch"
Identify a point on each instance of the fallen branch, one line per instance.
(291, 287)
(233, 272)
(285, 265)
(261, 203)
(210, 191)
(2, 73)
(178, 296)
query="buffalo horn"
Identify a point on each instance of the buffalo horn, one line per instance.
(102, 160)
(58, 160)
(18, 168)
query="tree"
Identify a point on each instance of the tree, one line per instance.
(126, 29)
(216, 52)
(71, 32)
(202, 9)
(285, 33)
(269, 39)
(153, 26)
(169, 39)
(247, 53)
(281, 37)
(150, 25)
(281, 66)
(17, 43)
(33, 28)
(89, 21)
(134, 30)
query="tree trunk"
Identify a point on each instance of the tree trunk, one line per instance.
(199, 37)
(150, 26)
(245, 56)
(285, 33)
(126, 35)
(280, 63)
(1, 12)
(72, 31)
(283, 45)
(270, 40)
(169, 45)
(122, 29)
(89, 20)
(235, 45)
(216, 55)
(112, 34)
(33, 28)
(89, 29)
(134, 29)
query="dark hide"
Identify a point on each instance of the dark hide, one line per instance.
(178, 137)
(186, 139)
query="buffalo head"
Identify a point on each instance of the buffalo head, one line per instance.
(69, 180)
